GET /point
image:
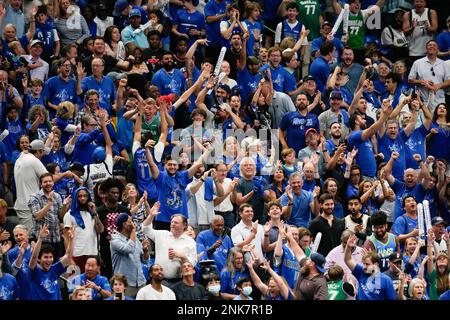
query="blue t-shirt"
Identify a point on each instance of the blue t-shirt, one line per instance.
(270, 9)
(445, 295)
(57, 157)
(8, 287)
(404, 225)
(57, 90)
(378, 287)
(145, 181)
(387, 145)
(301, 211)
(105, 88)
(214, 8)
(248, 83)
(186, 21)
(45, 283)
(124, 130)
(320, 70)
(170, 83)
(251, 42)
(15, 131)
(365, 157)
(172, 194)
(436, 143)
(400, 190)
(295, 125)
(337, 43)
(228, 283)
(207, 238)
(415, 144)
(443, 40)
(282, 80)
(99, 280)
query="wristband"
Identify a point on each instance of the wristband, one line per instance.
(202, 179)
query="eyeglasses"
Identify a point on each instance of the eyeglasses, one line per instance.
(97, 65)
(432, 72)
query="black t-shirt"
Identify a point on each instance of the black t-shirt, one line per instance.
(9, 227)
(110, 64)
(185, 292)
(331, 236)
(153, 57)
(233, 59)
(108, 217)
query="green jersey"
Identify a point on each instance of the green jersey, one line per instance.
(335, 291)
(151, 129)
(356, 30)
(309, 13)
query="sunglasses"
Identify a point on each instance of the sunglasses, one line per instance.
(432, 72)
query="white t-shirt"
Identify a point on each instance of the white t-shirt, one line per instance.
(27, 171)
(98, 172)
(226, 204)
(240, 232)
(85, 241)
(148, 293)
(40, 72)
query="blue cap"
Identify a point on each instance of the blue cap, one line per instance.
(99, 154)
(319, 261)
(119, 6)
(336, 94)
(121, 219)
(134, 13)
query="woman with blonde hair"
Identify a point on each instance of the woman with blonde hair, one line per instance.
(234, 269)
(139, 209)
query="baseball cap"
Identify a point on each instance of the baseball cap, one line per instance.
(35, 41)
(36, 145)
(327, 23)
(252, 60)
(224, 87)
(99, 154)
(121, 219)
(311, 130)
(119, 6)
(308, 77)
(336, 95)
(116, 75)
(134, 13)
(437, 221)
(396, 256)
(319, 260)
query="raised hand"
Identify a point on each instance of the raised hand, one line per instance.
(44, 232)
(395, 155)
(150, 144)
(351, 242)
(255, 227)
(316, 191)
(5, 247)
(154, 211)
(80, 70)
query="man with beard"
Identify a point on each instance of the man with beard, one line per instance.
(351, 68)
(108, 213)
(154, 51)
(128, 254)
(438, 226)
(356, 221)
(172, 186)
(155, 290)
(335, 132)
(373, 284)
(233, 54)
(359, 138)
(200, 194)
(226, 119)
(91, 278)
(314, 155)
(109, 62)
(395, 268)
(48, 208)
(330, 226)
(335, 114)
(311, 283)
(406, 225)
(309, 87)
(382, 242)
(296, 123)
(84, 218)
(410, 184)
(169, 79)
(132, 35)
(297, 203)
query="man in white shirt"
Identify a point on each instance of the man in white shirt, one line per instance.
(27, 170)
(247, 232)
(38, 67)
(172, 247)
(155, 290)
